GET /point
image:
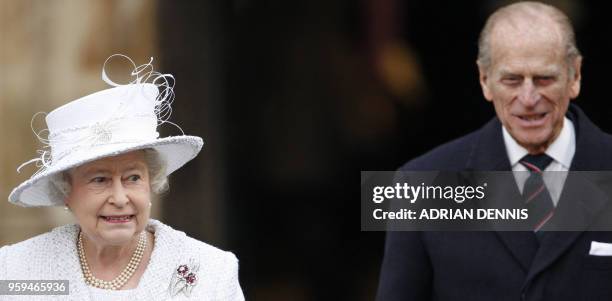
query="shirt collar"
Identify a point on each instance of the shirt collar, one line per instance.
(561, 150)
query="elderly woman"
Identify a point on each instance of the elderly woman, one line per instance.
(105, 162)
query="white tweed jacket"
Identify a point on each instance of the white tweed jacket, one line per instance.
(53, 256)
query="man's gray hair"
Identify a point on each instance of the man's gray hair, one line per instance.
(534, 10)
(158, 180)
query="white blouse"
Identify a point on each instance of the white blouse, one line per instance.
(53, 256)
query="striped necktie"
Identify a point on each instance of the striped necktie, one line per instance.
(537, 198)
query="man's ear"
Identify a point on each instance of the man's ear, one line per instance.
(574, 84)
(483, 77)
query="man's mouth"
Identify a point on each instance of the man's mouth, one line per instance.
(532, 120)
(532, 117)
(117, 218)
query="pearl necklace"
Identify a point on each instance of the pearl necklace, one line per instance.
(125, 275)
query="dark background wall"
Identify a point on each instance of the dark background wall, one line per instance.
(294, 98)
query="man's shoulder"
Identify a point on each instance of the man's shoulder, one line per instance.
(449, 156)
(606, 139)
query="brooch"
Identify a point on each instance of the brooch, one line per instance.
(184, 278)
(101, 134)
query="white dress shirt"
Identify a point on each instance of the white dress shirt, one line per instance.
(561, 151)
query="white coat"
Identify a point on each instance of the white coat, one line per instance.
(53, 256)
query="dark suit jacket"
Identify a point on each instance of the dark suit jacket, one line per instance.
(502, 265)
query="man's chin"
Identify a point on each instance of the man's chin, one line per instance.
(535, 147)
(534, 141)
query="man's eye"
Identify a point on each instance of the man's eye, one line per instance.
(544, 80)
(511, 80)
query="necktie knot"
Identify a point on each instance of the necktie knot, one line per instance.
(537, 199)
(536, 163)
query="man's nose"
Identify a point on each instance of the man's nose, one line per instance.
(528, 94)
(118, 196)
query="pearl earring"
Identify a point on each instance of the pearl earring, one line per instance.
(66, 208)
(150, 204)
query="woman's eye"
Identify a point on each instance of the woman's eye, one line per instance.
(134, 178)
(98, 180)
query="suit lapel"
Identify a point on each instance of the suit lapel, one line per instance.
(581, 200)
(489, 154)
(489, 151)
(578, 208)
(591, 153)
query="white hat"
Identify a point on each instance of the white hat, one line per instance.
(103, 124)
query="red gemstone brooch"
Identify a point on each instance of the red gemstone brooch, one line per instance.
(184, 278)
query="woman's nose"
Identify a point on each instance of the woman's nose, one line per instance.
(118, 196)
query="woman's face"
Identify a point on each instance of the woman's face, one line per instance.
(110, 198)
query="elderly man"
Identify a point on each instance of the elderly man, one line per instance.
(530, 70)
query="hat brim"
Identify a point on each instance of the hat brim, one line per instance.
(38, 190)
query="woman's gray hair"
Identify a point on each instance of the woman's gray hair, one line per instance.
(158, 180)
(157, 171)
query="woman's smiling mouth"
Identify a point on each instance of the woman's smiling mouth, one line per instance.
(117, 219)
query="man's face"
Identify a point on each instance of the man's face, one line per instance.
(530, 85)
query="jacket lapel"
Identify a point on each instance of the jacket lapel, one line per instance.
(489, 154)
(489, 151)
(578, 208)
(575, 205)
(168, 253)
(66, 238)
